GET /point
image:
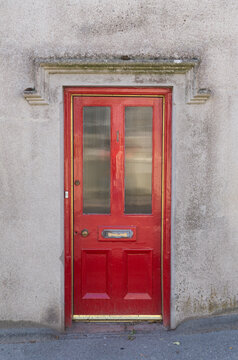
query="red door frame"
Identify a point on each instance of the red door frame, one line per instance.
(166, 94)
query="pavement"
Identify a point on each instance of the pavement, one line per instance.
(203, 339)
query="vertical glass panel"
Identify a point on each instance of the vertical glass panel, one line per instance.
(138, 160)
(96, 160)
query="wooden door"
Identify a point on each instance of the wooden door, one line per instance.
(117, 167)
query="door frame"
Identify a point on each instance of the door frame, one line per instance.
(166, 94)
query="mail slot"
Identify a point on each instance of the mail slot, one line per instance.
(117, 233)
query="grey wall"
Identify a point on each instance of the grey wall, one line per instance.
(205, 171)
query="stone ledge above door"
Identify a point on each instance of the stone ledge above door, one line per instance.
(45, 68)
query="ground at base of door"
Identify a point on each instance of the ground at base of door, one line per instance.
(212, 338)
(115, 328)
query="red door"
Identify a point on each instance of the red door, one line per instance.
(117, 205)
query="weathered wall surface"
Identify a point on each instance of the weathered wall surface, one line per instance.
(205, 168)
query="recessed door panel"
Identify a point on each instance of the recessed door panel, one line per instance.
(117, 205)
(95, 274)
(138, 274)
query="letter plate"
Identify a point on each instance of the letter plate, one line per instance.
(117, 234)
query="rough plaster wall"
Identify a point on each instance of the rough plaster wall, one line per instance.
(205, 171)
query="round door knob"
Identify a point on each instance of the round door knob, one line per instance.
(84, 232)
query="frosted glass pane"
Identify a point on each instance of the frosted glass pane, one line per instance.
(138, 160)
(96, 160)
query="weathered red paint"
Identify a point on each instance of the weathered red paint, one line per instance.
(67, 208)
(167, 209)
(139, 305)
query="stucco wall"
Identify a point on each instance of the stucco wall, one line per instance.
(205, 170)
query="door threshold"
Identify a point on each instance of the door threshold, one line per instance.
(116, 318)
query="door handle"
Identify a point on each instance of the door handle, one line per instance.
(85, 232)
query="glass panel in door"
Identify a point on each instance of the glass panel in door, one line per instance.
(96, 160)
(138, 159)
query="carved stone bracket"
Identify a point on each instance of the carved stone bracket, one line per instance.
(44, 68)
